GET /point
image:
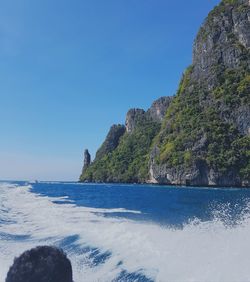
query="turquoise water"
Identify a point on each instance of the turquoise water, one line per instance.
(130, 232)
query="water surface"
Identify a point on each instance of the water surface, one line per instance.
(130, 232)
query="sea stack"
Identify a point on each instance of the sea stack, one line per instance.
(87, 159)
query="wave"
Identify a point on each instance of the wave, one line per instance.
(116, 249)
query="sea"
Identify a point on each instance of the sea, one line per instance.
(118, 232)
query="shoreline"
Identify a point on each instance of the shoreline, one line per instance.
(171, 185)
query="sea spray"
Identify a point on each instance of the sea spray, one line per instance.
(104, 248)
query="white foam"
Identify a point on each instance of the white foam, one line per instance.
(201, 251)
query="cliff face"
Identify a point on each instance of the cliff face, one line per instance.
(222, 41)
(111, 141)
(201, 136)
(158, 109)
(156, 113)
(124, 155)
(205, 136)
(133, 119)
(222, 49)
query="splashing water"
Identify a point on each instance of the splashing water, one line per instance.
(116, 248)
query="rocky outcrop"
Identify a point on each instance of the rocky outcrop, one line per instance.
(87, 160)
(155, 113)
(123, 155)
(133, 118)
(218, 84)
(159, 108)
(112, 140)
(222, 42)
(197, 174)
(239, 116)
(201, 136)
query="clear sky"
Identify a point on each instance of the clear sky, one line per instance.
(71, 69)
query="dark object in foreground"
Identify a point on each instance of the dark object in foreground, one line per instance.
(41, 264)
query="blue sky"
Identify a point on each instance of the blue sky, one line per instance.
(71, 69)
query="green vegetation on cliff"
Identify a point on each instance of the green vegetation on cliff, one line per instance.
(204, 137)
(194, 130)
(129, 161)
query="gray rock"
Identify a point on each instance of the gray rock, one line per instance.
(133, 118)
(198, 174)
(223, 43)
(112, 140)
(239, 116)
(159, 108)
(223, 39)
(87, 159)
(221, 46)
(156, 113)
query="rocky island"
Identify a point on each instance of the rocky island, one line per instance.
(200, 136)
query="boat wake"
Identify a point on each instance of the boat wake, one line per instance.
(104, 248)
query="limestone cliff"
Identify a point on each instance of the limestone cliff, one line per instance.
(159, 107)
(124, 155)
(133, 118)
(111, 141)
(201, 136)
(205, 136)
